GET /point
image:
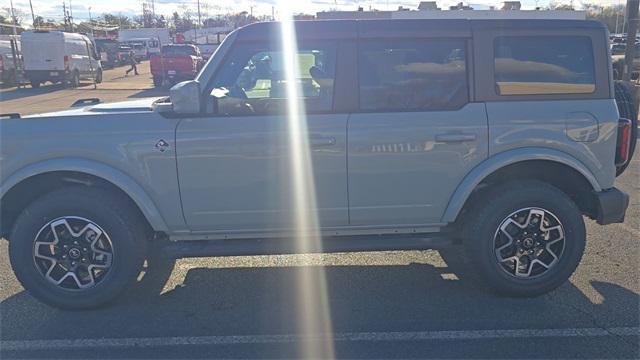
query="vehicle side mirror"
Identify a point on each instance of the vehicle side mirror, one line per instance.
(185, 97)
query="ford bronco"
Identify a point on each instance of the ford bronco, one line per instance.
(502, 135)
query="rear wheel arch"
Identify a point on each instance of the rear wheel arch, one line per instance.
(571, 177)
(30, 183)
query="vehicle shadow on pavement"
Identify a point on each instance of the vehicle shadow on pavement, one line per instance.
(262, 300)
(152, 92)
(28, 91)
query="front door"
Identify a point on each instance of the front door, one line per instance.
(416, 135)
(235, 165)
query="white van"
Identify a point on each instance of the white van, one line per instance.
(143, 48)
(59, 57)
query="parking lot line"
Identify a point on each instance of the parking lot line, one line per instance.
(30, 345)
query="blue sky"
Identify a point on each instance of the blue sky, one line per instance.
(53, 8)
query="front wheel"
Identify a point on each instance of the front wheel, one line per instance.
(77, 248)
(525, 238)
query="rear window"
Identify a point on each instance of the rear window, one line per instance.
(412, 75)
(530, 65)
(178, 50)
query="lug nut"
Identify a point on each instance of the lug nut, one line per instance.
(64, 256)
(84, 260)
(530, 252)
(73, 263)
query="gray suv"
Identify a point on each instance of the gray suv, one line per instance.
(359, 136)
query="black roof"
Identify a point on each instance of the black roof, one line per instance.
(345, 29)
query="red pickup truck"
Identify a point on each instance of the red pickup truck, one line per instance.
(177, 62)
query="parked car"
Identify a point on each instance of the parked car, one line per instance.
(140, 50)
(7, 64)
(617, 61)
(407, 143)
(59, 57)
(144, 47)
(176, 62)
(618, 49)
(124, 52)
(108, 51)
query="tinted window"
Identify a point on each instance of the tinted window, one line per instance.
(178, 50)
(255, 79)
(412, 74)
(528, 65)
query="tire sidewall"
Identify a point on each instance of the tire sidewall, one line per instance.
(127, 252)
(482, 247)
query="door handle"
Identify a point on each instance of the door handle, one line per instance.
(321, 141)
(452, 138)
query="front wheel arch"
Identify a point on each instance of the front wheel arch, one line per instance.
(73, 172)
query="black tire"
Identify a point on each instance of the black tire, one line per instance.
(35, 84)
(157, 81)
(496, 206)
(114, 215)
(73, 80)
(628, 109)
(99, 76)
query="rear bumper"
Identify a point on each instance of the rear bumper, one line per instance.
(610, 205)
(46, 75)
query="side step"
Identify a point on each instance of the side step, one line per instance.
(250, 247)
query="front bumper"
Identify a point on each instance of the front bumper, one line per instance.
(610, 206)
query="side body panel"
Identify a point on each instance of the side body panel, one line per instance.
(112, 146)
(583, 129)
(402, 167)
(235, 172)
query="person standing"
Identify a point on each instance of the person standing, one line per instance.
(132, 62)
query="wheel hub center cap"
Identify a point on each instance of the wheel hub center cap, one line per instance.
(527, 243)
(74, 253)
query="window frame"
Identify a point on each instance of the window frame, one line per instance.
(485, 85)
(468, 72)
(268, 46)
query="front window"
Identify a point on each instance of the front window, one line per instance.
(254, 77)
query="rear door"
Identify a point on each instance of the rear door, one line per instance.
(417, 133)
(43, 51)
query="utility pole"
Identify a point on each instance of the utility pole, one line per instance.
(33, 17)
(64, 14)
(15, 21)
(70, 16)
(632, 21)
(198, 24)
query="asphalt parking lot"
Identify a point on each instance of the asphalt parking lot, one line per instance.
(413, 304)
(115, 87)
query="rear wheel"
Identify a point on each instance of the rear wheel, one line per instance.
(98, 76)
(525, 239)
(77, 247)
(35, 84)
(74, 79)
